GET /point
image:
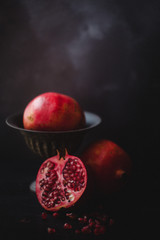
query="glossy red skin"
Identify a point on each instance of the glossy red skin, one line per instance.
(53, 112)
(108, 162)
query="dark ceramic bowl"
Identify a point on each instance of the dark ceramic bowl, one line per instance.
(46, 143)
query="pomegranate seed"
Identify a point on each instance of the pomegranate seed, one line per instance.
(51, 230)
(67, 226)
(97, 222)
(99, 230)
(77, 231)
(81, 220)
(55, 214)
(44, 215)
(91, 222)
(97, 225)
(85, 219)
(86, 230)
(71, 215)
(111, 222)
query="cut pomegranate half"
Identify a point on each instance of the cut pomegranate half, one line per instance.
(60, 182)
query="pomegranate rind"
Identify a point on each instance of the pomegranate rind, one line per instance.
(60, 165)
(109, 164)
(53, 112)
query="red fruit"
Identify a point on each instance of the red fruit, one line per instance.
(67, 226)
(97, 222)
(91, 223)
(85, 219)
(51, 230)
(86, 230)
(53, 112)
(55, 214)
(109, 163)
(71, 215)
(44, 215)
(60, 182)
(111, 222)
(77, 231)
(99, 230)
(81, 220)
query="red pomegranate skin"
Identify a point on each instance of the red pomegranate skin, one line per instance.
(53, 112)
(60, 182)
(110, 165)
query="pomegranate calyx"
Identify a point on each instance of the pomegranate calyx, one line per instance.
(62, 153)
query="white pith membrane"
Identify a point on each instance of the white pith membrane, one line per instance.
(57, 182)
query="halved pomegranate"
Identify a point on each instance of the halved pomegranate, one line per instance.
(60, 182)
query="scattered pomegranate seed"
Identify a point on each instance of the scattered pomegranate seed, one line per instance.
(44, 215)
(77, 231)
(85, 219)
(91, 222)
(99, 230)
(97, 222)
(97, 225)
(71, 215)
(51, 230)
(86, 230)
(55, 214)
(81, 220)
(94, 223)
(111, 222)
(67, 226)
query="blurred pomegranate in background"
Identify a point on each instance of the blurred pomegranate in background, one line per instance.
(110, 165)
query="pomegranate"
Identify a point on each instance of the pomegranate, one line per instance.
(60, 182)
(44, 215)
(109, 163)
(53, 112)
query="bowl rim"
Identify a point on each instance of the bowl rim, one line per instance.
(98, 120)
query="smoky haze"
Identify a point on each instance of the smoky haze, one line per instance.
(98, 52)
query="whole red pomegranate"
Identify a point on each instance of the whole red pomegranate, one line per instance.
(60, 182)
(53, 112)
(109, 163)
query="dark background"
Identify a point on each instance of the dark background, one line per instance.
(105, 54)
